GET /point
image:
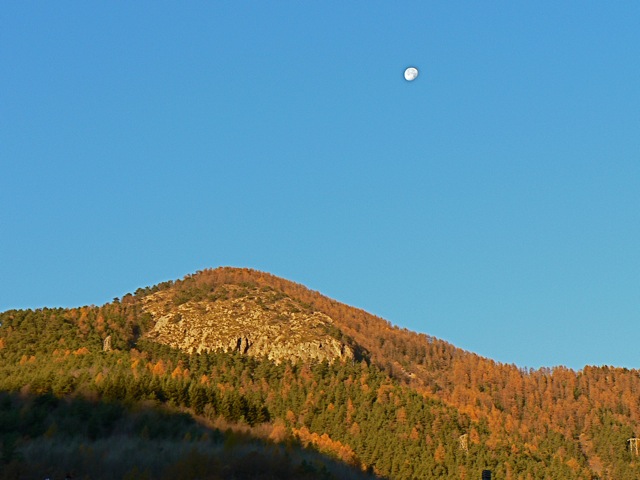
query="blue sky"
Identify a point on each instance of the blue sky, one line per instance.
(494, 202)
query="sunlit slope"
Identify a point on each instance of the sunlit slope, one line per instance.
(519, 406)
(254, 350)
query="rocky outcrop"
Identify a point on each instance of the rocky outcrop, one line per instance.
(249, 321)
(106, 345)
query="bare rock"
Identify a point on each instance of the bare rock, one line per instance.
(256, 323)
(106, 345)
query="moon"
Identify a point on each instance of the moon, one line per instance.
(410, 74)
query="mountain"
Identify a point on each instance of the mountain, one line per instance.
(244, 366)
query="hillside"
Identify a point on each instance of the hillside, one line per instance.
(244, 351)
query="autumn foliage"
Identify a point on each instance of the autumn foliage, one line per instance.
(398, 411)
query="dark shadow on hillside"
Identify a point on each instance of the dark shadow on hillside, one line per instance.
(43, 436)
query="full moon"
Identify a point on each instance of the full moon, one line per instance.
(410, 74)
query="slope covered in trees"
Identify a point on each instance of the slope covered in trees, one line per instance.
(399, 411)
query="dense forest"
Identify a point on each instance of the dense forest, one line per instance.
(410, 405)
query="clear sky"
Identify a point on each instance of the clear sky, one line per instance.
(494, 202)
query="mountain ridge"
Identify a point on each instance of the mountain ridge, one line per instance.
(426, 392)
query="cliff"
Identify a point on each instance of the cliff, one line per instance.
(253, 321)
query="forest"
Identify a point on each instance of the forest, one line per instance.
(411, 406)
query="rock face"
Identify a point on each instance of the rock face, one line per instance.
(251, 321)
(106, 345)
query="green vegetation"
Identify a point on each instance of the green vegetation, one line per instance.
(45, 436)
(144, 410)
